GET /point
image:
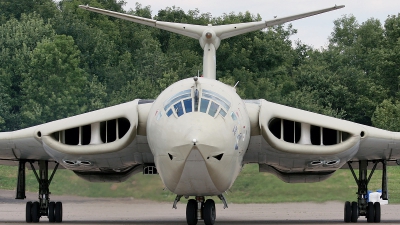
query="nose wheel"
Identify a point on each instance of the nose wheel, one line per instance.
(191, 212)
(197, 209)
(209, 213)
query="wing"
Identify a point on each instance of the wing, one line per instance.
(103, 141)
(301, 146)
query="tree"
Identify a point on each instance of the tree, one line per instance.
(54, 86)
(17, 40)
(387, 115)
(10, 9)
(5, 101)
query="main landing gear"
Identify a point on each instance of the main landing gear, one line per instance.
(372, 211)
(43, 207)
(198, 209)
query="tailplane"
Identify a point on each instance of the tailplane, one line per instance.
(209, 36)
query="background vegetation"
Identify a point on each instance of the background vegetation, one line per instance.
(57, 60)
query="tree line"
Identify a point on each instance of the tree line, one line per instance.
(58, 60)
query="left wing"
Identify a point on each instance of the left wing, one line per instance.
(109, 140)
(301, 146)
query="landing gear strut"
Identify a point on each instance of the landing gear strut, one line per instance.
(43, 207)
(372, 211)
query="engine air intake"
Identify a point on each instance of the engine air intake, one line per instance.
(95, 133)
(304, 133)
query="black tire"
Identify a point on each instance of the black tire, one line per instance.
(51, 212)
(35, 212)
(58, 212)
(209, 213)
(370, 212)
(377, 208)
(28, 216)
(354, 212)
(347, 212)
(191, 212)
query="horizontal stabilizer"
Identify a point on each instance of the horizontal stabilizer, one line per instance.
(189, 30)
(231, 30)
(196, 31)
(209, 36)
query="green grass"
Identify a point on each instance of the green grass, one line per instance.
(250, 187)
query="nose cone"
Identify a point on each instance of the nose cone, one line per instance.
(196, 155)
(195, 178)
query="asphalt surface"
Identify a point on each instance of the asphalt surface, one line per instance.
(79, 210)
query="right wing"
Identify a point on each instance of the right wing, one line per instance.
(302, 146)
(107, 140)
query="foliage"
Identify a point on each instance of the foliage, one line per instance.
(54, 83)
(58, 60)
(18, 38)
(387, 115)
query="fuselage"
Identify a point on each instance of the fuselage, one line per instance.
(198, 132)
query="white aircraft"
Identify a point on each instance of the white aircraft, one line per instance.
(197, 135)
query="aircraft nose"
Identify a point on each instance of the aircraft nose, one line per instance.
(202, 150)
(210, 143)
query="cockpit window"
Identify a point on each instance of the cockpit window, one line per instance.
(177, 97)
(169, 113)
(222, 113)
(213, 109)
(217, 98)
(178, 109)
(233, 116)
(188, 105)
(204, 105)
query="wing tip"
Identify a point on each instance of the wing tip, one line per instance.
(339, 6)
(84, 6)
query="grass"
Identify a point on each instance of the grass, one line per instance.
(250, 187)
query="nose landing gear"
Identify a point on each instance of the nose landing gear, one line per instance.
(198, 209)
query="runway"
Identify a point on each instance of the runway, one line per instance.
(78, 210)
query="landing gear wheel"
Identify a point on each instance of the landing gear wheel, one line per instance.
(347, 212)
(354, 212)
(51, 212)
(370, 212)
(58, 212)
(377, 208)
(28, 216)
(35, 211)
(191, 212)
(209, 213)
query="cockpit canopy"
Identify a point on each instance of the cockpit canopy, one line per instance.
(189, 100)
